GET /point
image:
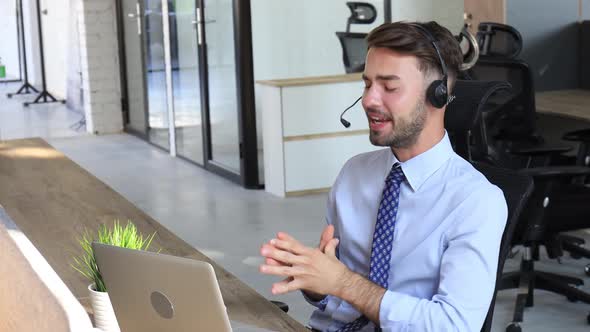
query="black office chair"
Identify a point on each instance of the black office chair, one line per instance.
(511, 119)
(502, 42)
(498, 40)
(462, 116)
(354, 45)
(516, 142)
(500, 45)
(534, 227)
(517, 189)
(354, 50)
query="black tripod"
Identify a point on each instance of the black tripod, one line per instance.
(26, 88)
(44, 96)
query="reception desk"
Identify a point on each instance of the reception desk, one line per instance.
(305, 145)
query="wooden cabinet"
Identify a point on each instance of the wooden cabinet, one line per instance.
(477, 11)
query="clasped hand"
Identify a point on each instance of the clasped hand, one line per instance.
(314, 270)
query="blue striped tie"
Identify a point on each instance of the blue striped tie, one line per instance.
(382, 238)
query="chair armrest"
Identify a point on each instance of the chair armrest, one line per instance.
(556, 172)
(582, 135)
(282, 305)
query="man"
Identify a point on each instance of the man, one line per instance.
(413, 230)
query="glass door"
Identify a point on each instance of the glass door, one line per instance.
(222, 84)
(186, 80)
(10, 51)
(158, 126)
(206, 59)
(145, 70)
(136, 112)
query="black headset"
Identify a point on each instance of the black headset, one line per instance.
(437, 93)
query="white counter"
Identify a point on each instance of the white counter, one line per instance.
(305, 145)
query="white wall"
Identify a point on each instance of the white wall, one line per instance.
(9, 40)
(74, 71)
(448, 13)
(55, 38)
(297, 38)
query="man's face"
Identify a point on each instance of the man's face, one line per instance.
(394, 98)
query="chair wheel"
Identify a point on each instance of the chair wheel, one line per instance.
(572, 299)
(587, 269)
(588, 318)
(515, 327)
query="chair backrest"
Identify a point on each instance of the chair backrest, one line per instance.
(354, 50)
(499, 40)
(517, 189)
(462, 117)
(360, 13)
(515, 113)
(354, 45)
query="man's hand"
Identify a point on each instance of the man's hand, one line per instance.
(327, 235)
(318, 272)
(311, 269)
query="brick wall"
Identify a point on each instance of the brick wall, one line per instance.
(100, 66)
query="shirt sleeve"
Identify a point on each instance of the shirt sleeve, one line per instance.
(318, 304)
(467, 275)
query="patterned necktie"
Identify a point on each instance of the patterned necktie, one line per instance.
(382, 238)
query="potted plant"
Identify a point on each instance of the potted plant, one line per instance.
(85, 263)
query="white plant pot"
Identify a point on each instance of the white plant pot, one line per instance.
(104, 315)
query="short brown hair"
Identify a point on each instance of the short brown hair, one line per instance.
(406, 38)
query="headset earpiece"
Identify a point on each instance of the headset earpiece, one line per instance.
(437, 94)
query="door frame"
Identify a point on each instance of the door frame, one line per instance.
(123, 75)
(248, 175)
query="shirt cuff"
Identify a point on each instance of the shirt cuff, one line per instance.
(318, 304)
(396, 307)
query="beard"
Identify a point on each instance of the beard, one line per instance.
(405, 132)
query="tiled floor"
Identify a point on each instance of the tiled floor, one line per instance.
(227, 222)
(38, 120)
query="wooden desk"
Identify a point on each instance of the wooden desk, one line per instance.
(573, 103)
(52, 200)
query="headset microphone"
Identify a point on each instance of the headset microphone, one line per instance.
(342, 120)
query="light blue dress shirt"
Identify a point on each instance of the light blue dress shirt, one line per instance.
(445, 247)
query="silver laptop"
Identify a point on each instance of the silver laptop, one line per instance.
(156, 292)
